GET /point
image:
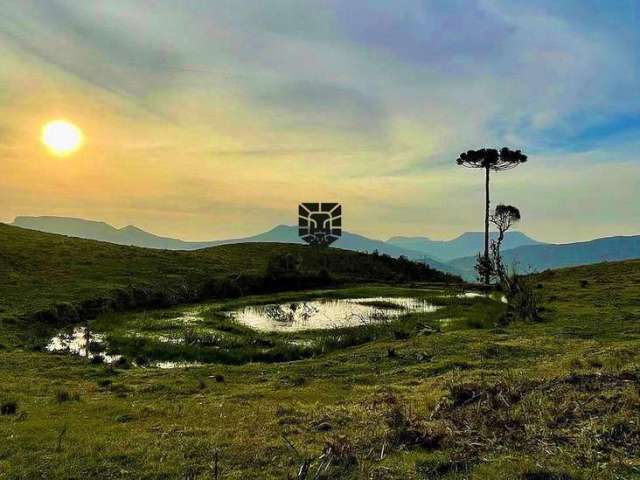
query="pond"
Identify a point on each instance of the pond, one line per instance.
(283, 329)
(328, 313)
(82, 342)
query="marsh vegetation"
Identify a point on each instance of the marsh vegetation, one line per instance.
(271, 328)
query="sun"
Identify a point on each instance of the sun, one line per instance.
(62, 138)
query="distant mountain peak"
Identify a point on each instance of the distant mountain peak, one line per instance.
(53, 218)
(469, 243)
(131, 227)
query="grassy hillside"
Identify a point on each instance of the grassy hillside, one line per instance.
(551, 400)
(38, 270)
(133, 236)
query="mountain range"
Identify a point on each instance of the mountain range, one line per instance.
(453, 256)
(131, 235)
(466, 244)
(532, 258)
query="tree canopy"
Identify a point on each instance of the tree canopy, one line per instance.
(504, 216)
(490, 158)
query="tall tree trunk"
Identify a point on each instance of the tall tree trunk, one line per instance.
(487, 275)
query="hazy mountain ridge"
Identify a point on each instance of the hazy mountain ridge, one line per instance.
(467, 244)
(96, 230)
(131, 235)
(519, 249)
(532, 258)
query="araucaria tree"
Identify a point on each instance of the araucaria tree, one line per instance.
(490, 159)
(503, 217)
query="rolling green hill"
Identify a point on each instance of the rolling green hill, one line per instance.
(134, 236)
(39, 269)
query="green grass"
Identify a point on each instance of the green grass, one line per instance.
(557, 399)
(39, 271)
(217, 338)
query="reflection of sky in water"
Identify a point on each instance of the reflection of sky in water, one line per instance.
(77, 342)
(491, 296)
(284, 317)
(323, 314)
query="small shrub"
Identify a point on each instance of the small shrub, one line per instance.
(523, 301)
(8, 408)
(96, 360)
(474, 323)
(141, 361)
(401, 334)
(123, 363)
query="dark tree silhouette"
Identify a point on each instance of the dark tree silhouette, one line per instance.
(503, 217)
(490, 159)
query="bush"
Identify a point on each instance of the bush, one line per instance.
(96, 360)
(123, 363)
(8, 408)
(523, 303)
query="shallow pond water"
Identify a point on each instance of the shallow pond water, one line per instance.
(292, 316)
(80, 341)
(491, 296)
(329, 313)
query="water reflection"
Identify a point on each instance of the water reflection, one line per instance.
(82, 342)
(491, 296)
(323, 314)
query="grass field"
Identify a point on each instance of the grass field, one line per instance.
(556, 399)
(39, 271)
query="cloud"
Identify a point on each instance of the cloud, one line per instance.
(365, 100)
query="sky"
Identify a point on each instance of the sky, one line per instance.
(214, 119)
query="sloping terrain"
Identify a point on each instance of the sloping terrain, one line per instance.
(93, 230)
(39, 269)
(134, 236)
(348, 241)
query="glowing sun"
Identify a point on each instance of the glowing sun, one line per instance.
(61, 137)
